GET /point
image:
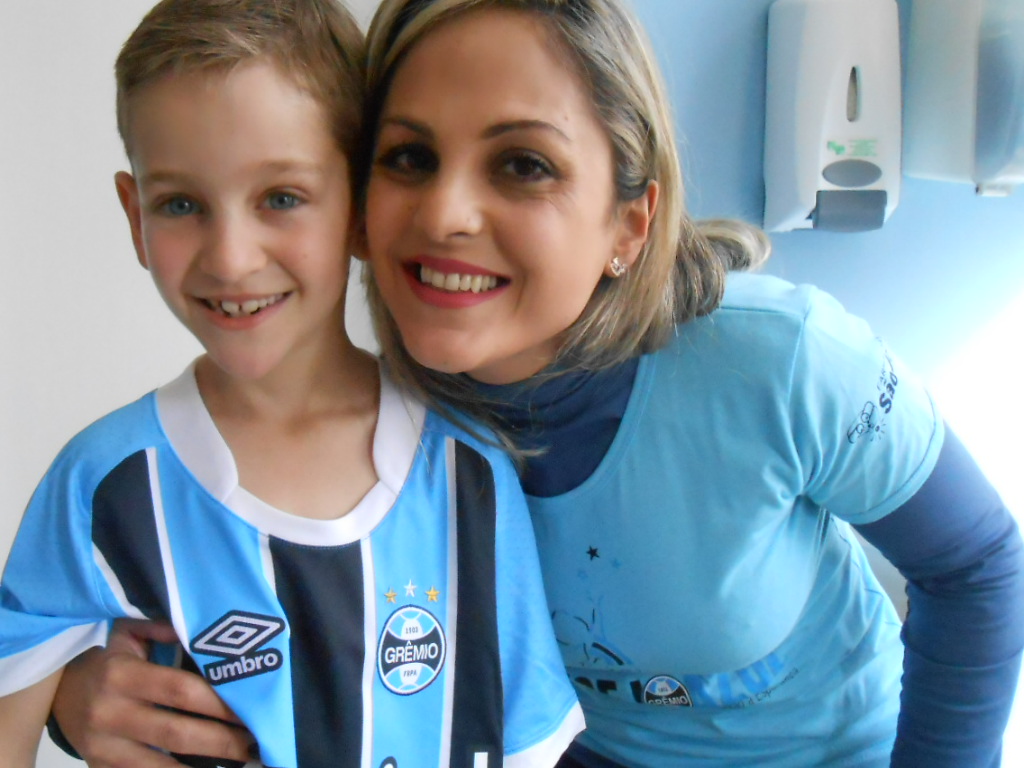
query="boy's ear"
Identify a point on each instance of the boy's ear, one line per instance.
(635, 217)
(128, 194)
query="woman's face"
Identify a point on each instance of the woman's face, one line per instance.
(491, 214)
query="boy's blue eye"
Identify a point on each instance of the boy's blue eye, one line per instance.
(179, 206)
(281, 201)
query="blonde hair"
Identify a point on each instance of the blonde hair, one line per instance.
(680, 272)
(316, 42)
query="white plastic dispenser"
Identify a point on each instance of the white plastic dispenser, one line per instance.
(832, 121)
(965, 93)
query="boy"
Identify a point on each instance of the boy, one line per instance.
(357, 577)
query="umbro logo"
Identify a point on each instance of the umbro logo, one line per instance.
(237, 637)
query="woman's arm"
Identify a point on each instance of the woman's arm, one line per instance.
(961, 553)
(22, 716)
(113, 705)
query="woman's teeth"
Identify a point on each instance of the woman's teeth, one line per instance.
(452, 281)
(245, 308)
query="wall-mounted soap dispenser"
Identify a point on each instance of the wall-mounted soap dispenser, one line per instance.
(832, 120)
(965, 93)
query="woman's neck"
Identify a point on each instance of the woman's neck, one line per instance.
(570, 418)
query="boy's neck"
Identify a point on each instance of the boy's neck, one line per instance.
(343, 376)
(301, 438)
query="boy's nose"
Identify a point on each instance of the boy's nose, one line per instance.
(451, 206)
(231, 250)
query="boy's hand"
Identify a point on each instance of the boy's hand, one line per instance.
(112, 706)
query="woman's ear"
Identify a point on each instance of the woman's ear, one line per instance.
(635, 217)
(128, 194)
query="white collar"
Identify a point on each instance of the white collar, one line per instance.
(199, 445)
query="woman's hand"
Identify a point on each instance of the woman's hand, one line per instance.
(113, 706)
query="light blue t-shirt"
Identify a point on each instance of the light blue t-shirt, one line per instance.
(709, 599)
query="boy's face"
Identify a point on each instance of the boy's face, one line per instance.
(240, 208)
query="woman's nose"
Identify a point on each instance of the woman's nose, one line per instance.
(451, 206)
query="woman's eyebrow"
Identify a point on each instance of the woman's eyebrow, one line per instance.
(524, 125)
(404, 122)
(498, 129)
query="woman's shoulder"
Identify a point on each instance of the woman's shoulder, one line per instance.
(752, 292)
(763, 322)
(769, 311)
(758, 313)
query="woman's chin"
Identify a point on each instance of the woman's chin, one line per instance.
(436, 360)
(456, 358)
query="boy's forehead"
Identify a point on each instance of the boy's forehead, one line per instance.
(253, 108)
(219, 76)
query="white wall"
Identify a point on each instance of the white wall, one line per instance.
(82, 330)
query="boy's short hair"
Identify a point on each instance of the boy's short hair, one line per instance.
(316, 42)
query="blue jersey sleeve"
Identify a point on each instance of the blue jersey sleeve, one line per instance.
(51, 604)
(865, 428)
(962, 555)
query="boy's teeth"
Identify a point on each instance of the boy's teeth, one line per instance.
(453, 281)
(248, 307)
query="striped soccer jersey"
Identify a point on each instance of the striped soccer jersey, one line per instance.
(412, 632)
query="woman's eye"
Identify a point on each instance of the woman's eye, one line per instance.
(526, 167)
(178, 206)
(411, 159)
(281, 201)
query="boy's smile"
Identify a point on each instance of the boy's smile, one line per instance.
(239, 208)
(244, 307)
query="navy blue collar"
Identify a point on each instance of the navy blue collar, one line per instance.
(572, 417)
